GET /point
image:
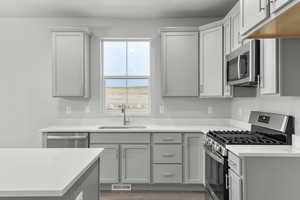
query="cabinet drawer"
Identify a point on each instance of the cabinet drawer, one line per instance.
(113, 138)
(235, 163)
(167, 173)
(167, 153)
(166, 138)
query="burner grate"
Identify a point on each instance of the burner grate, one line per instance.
(242, 137)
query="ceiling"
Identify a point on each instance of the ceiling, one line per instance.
(115, 8)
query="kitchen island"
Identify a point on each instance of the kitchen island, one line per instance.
(268, 172)
(56, 174)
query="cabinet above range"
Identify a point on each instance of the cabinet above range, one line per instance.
(270, 18)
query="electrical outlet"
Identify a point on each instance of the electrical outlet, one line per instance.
(79, 196)
(87, 109)
(68, 109)
(240, 112)
(210, 110)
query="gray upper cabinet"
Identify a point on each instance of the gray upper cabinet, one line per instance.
(109, 170)
(235, 28)
(268, 67)
(227, 36)
(211, 61)
(70, 61)
(279, 67)
(227, 50)
(253, 12)
(180, 63)
(193, 158)
(135, 163)
(275, 5)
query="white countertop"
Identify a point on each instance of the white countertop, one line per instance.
(42, 172)
(149, 128)
(265, 150)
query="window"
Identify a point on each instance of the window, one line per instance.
(126, 69)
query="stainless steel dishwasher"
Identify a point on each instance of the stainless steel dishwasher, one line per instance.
(65, 140)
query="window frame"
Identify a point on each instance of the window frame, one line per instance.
(103, 78)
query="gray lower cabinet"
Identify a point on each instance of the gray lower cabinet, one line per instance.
(193, 158)
(135, 163)
(235, 186)
(167, 173)
(235, 180)
(132, 167)
(171, 153)
(109, 170)
(141, 158)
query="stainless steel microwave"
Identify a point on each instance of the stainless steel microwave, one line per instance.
(242, 65)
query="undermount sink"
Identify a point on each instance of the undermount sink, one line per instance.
(122, 127)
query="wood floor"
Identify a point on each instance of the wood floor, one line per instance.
(153, 196)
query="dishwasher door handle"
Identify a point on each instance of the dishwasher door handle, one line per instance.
(76, 137)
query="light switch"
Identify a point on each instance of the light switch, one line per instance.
(68, 109)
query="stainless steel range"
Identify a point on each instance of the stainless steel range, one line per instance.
(266, 129)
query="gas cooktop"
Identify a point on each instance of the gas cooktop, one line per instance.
(242, 137)
(266, 129)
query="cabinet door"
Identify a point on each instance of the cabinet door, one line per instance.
(109, 163)
(235, 186)
(275, 5)
(235, 27)
(68, 64)
(227, 50)
(268, 70)
(180, 63)
(211, 62)
(135, 163)
(193, 158)
(253, 12)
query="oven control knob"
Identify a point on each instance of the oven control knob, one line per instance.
(216, 146)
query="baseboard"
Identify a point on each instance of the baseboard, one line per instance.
(161, 187)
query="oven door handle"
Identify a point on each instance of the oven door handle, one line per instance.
(214, 156)
(239, 67)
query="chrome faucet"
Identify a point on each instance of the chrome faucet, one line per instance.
(123, 110)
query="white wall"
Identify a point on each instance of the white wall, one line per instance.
(241, 107)
(26, 104)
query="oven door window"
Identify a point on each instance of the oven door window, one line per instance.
(232, 69)
(244, 65)
(215, 172)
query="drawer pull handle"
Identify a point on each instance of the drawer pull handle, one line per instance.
(167, 139)
(167, 174)
(168, 155)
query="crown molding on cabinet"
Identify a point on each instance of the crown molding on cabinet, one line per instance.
(71, 29)
(179, 29)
